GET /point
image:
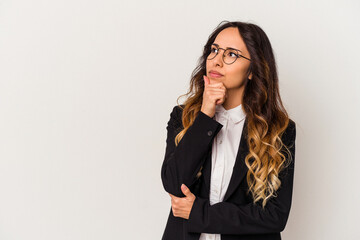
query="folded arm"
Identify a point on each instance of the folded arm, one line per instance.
(182, 162)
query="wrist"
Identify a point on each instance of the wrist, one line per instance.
(209, 115)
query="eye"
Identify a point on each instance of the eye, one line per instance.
(232, 54)
(213, 49)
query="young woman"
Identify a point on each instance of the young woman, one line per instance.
(230, 148)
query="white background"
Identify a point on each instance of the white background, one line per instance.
(87, 88)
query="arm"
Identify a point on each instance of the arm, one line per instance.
(229, 218)
(182, 162)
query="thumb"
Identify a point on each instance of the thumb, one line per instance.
(185, 190)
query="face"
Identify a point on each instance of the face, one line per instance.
(234, 75)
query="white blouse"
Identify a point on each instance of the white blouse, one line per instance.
(224, 151)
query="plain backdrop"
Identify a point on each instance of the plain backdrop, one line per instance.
(86, 91)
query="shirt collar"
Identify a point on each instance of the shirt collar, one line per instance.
(236, 114)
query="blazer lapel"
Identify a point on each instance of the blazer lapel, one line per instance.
(239, 169)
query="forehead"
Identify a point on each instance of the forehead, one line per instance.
(230, 37)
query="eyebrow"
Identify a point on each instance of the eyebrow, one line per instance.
(227, 47)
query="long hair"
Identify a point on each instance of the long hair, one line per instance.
(266, 117)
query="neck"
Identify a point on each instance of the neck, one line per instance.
(234, 98)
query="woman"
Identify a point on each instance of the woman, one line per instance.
(230, 148)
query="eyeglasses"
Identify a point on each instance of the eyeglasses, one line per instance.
(229, 56)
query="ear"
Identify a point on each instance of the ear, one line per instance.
(250, 76)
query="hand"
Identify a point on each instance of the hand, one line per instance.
(214, 94)
(181, 207)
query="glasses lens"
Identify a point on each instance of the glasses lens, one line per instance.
(213, 52)
(230, 56)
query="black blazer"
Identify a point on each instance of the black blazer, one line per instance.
(236, 217)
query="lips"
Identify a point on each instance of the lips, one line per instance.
(215, 74)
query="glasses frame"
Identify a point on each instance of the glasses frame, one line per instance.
(223, 55)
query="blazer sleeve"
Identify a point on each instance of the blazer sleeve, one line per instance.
(229, 218)
(182, 162)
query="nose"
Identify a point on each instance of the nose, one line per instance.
(218, 60)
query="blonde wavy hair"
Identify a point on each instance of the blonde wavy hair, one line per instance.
(266, 116)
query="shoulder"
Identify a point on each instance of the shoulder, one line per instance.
(178, 108)
(291, 128)
(177, 111)
(176, 114)
(289, 134)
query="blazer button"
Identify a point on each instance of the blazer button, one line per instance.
(210, 133)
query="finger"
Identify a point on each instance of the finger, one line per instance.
(186, 191)
(219, 87)
(220, 101)
(216, 91)
(215, 83)
(216, 95)
(206, 80)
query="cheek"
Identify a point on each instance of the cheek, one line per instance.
(236, 76)
(207, 66)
